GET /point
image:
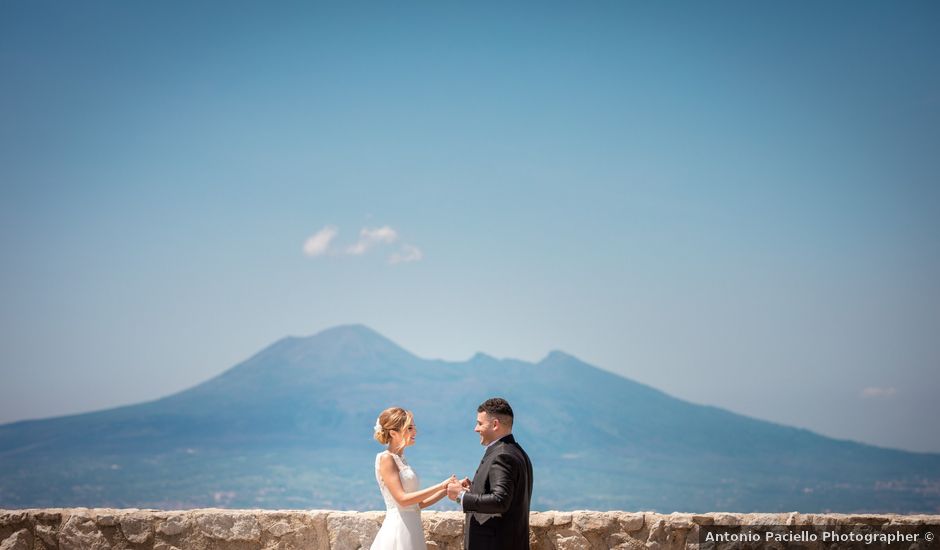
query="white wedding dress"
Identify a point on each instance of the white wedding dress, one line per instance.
(401, 529)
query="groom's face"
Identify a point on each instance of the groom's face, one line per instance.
(486, 427)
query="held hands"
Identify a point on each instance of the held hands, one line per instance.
(452, 479)
(455, 487)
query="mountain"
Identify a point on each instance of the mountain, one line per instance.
(291, 427)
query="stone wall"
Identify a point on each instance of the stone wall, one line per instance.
(104, 529)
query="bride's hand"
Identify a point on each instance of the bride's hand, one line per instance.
(448, 481)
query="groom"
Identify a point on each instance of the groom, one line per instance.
(497, 501)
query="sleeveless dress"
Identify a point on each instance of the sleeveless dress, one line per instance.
(401, 529)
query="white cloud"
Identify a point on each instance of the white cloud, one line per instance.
(319, 242)
(408, 253)
(873, 392)
(371, 237)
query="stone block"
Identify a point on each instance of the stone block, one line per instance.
(569, 539)
(680, 521)
(47, 534)
(12, 518)
(442, 525)
(106, 519)
(229, 526)
(81, 532)
(765, 519)
(623, 541)
(309, 532)
(727, 519)
(137, 527)
(657, 530)
(46, 516)
(281, 528)
(591, 522)
(172, 525)
(630, 522)
(867, 519)
(541, 520)
(286, 531)
(351, 531)
(20, 540)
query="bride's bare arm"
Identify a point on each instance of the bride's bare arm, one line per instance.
(389, 471)
(433, 498)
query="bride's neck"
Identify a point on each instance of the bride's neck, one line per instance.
(400, 452)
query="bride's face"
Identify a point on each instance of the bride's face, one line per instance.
(406, 437)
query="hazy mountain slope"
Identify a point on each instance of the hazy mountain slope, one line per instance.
(291, 427)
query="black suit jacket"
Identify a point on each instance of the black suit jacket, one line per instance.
(497, 505)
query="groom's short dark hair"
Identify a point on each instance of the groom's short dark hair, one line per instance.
(498, 407)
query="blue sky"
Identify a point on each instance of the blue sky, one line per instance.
(734, 202)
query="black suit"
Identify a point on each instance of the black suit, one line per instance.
(497, 504)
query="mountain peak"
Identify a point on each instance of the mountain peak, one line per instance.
(342, 343)
(355, 330)
(355, 339)
(557, 356)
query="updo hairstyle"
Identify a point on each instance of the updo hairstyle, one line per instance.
(392, 418)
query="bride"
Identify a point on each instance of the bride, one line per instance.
(399, 484)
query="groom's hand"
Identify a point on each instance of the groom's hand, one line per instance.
(453, 490)
(465, 483)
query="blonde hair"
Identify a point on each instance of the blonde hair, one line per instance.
(392, 418)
